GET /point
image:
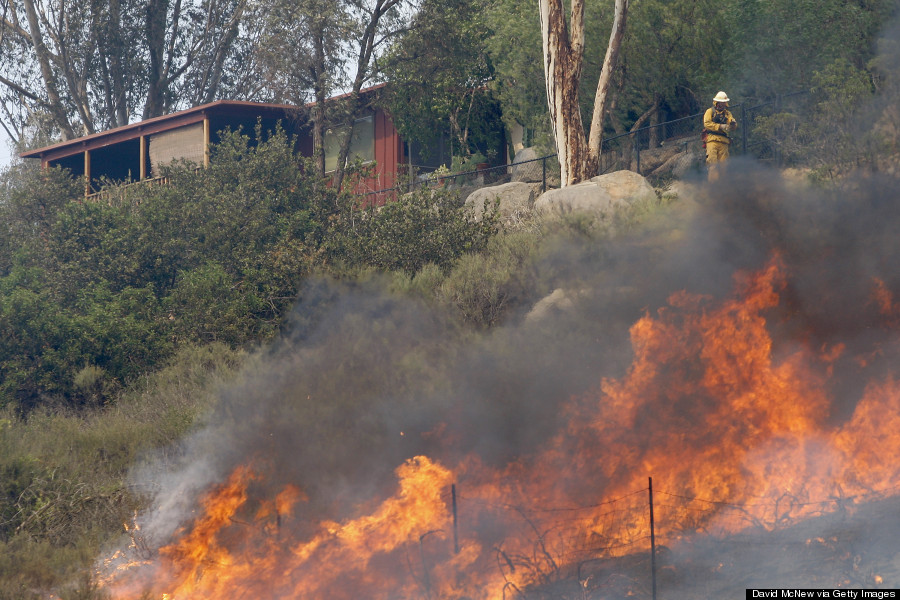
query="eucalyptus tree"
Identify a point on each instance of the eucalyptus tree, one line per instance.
(301, 56)
(564, 47)
(315, 49)
(81, 67)
(778, 45)
(439, 71)
(669, 59)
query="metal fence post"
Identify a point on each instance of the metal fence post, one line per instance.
(744, 126)
(637, 150)
(544, 176)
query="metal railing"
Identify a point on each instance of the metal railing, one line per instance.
(632, 150)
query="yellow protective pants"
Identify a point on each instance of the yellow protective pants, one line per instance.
(716, 153)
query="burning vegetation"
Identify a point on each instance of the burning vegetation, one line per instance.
(745, 361)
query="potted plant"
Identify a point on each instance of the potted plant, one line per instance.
(467, 164)
(438, 177)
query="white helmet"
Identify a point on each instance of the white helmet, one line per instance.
(721, 97)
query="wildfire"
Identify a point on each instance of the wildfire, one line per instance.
(706, 408)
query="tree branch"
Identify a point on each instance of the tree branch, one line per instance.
(612, 53)
(19, 89)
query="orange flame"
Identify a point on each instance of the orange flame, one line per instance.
(706, 409)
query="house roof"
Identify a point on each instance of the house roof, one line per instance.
(161, 123)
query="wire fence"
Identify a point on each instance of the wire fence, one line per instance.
(619, 535)
(646, 150)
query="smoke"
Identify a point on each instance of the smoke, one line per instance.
(364, 379)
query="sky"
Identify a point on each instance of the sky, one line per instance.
(6, 153)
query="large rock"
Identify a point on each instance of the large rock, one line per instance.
(680, 164)
(516, 200)
(600, 197)
(525, 166)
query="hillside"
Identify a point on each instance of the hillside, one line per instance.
(723, 347)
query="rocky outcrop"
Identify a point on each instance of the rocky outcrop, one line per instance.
(525, 167)
(516, 200)
(600, 197)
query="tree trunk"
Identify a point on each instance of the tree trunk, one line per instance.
(579, 158)
(366, 45)
(156, 43)
(609, 64)
(55, 103)
(654, 122)
(563, 59)
(321, 95)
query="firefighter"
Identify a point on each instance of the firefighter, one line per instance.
(717, 123)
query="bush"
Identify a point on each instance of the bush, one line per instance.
(482, 287)
(426, 226)
(98, 294)
(832, 134)
(63, 491)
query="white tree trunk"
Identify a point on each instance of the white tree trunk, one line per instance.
(609, 64)
(563, 59)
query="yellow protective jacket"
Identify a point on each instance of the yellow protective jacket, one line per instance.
(717, 132)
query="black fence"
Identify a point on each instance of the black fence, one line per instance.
(644, 150)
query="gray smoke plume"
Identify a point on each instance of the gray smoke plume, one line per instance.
(364, 379)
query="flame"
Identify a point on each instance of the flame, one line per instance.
(708, 408)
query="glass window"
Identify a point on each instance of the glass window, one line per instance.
(362, 145)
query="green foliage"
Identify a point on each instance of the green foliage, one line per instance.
(465, 164)
(98, 293)
(425, 226)
(777, 46)
(438, 73)
(30, 200)
(515, 51)
(62, 473)
(832, 133)
(672, 53)
(482, 287)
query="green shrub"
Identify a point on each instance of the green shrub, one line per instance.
(117, 288)
(426, 226)
(62, 473)
(482, 287)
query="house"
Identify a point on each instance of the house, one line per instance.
(138, 151)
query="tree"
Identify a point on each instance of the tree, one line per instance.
(579, 157)
(423, 227)
(116, 287)
(95, 65)
(333, 46)
(439, 72)
(778, 45)
(302, 56)
(669, 61)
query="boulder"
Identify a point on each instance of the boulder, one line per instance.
(679, 165)
(525, 167)
(516, 199)
(600, 197)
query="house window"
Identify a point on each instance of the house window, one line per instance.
(362, 144)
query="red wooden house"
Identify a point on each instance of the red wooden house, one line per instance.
(138, 151)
